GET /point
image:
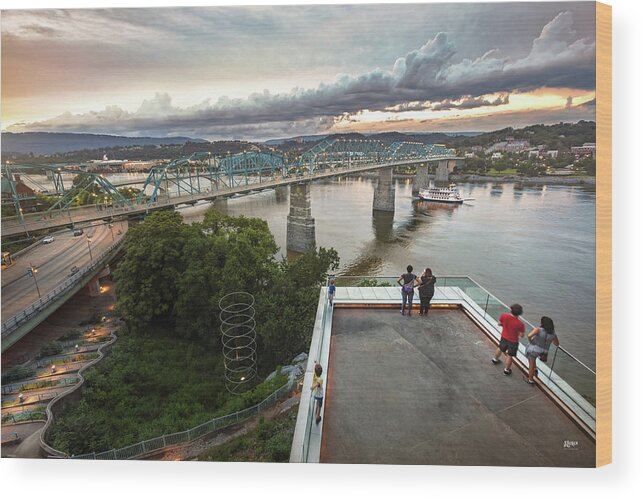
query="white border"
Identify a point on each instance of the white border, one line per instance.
(178, 480)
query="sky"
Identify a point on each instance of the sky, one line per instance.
(256, 73)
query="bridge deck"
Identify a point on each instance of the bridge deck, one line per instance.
(422, 390)
(38, 221)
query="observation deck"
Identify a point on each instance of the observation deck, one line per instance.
(422, 389)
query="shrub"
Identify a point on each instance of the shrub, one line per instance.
(51, 348)
(70, 335)
(20, 372)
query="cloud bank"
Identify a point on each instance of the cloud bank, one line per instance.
(430, 77)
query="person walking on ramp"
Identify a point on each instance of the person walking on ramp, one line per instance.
(512, 329)
(407, 281)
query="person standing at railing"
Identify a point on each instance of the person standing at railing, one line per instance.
(512, 329)
(540, 339)
(331, 291)
(408, 282)
(318, 390)
(426, 290)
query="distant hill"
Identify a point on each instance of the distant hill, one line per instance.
(386, 137)
(559, 136)
(301, 138)
(39, 143)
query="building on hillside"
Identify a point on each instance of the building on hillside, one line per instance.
(553, 153)
(496, 155)
(587, 149)
(509, 145)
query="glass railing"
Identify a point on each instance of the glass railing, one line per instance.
(566, 375)
(315, 352)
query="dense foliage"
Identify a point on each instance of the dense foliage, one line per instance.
(270, 441)
(560, 136)
(175, 274)
(146, 387)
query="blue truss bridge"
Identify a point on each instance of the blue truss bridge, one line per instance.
(204, 176)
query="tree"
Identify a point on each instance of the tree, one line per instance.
(232, 254)
(286, 309)
(147, 277)
(177, 273)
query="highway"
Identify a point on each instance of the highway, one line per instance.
(53, 263)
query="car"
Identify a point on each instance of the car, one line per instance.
(78, 232)
(48, 240)
(73, 270)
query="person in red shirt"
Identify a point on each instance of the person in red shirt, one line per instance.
(512, 329)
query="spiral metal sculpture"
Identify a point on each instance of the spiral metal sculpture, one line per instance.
(238, 336)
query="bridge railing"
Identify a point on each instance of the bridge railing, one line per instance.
(12, 323)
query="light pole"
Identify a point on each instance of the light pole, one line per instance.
(31, 271)
(89, 247)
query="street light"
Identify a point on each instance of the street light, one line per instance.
(89, 247)
(31, 271)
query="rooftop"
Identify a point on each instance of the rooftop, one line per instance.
(422, 390)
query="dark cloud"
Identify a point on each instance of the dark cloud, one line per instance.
(470, 102)
(430, 74)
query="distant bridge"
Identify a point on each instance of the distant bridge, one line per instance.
(203, 176)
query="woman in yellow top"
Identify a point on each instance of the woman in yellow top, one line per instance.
(318, 390)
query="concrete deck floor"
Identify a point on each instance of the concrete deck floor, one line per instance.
(422, 390)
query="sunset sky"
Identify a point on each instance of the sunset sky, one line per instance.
(266, 72)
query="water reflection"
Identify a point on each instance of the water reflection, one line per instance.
(383, 226)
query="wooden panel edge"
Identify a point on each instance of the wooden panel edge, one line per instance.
(603, 234)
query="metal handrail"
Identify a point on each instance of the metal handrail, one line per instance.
(577, 360)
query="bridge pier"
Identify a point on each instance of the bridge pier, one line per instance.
(93, 287)
(220, 203)
(384, 195)
(281, 193)
(421, 179)
(300, 231)
(442, 171)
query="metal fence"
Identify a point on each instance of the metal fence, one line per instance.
(46, 383)
(183, 437)
(23, 417)
(14, 322)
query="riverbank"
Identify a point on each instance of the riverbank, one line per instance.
(547, 179)
(473, 178)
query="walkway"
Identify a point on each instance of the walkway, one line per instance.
(422, 390)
